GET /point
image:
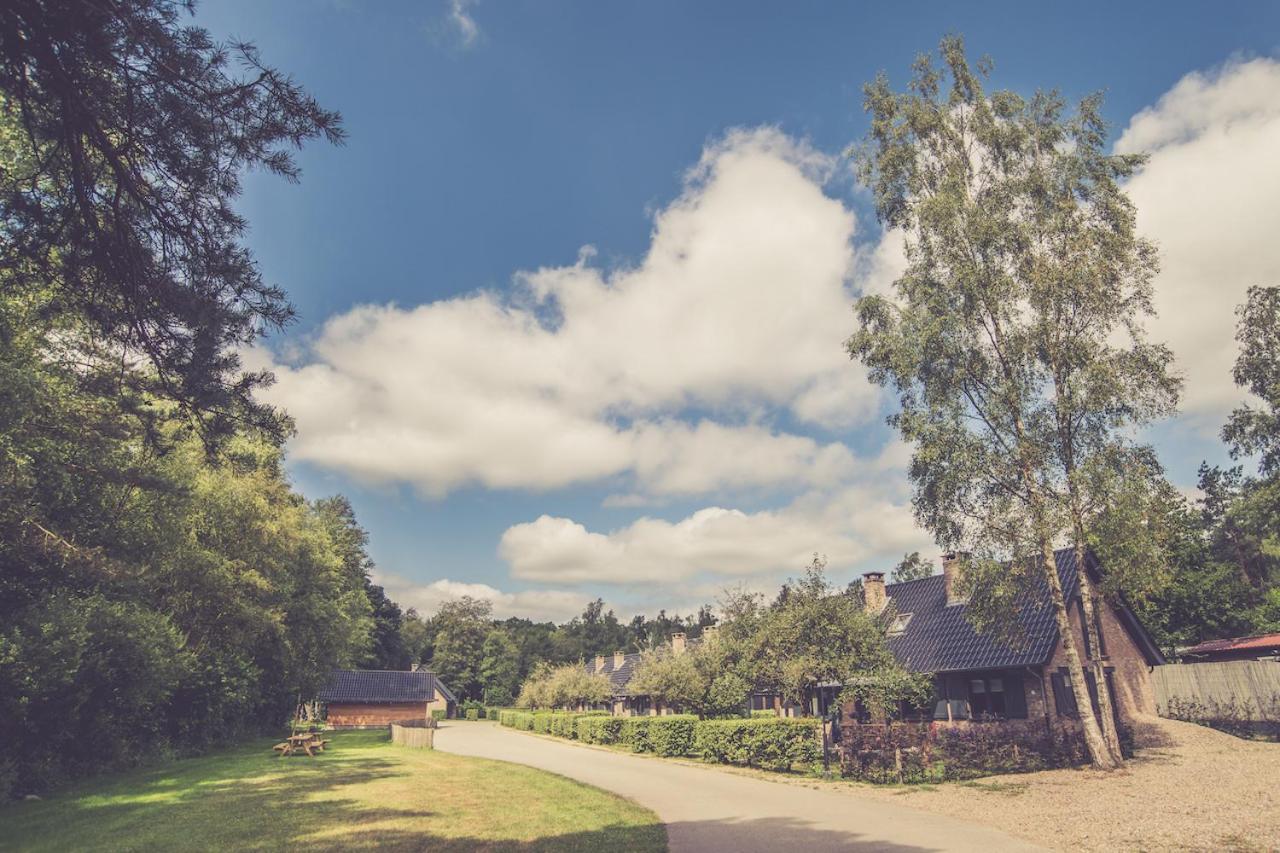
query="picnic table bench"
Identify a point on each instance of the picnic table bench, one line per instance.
(310, 743)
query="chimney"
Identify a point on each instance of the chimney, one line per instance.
(711, 634)
(952, 575)
(599, 663)
(619, 658)
(677, 643)
(873, 591)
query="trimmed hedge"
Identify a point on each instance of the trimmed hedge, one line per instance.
(439, 714)
(599, 729)
(473, 714)
(772, 743)
(670, 735)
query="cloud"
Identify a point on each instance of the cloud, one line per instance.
(536, 604)
(1210, 196)
(862, 523)
(460, 18)
(667, 374)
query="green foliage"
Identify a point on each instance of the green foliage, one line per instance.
(472, 714)
(132, 228)
(1254, 431)
(600, 729)
(567, 686)
(499, 668)
(669, 735)
(461, 628)
(912, 567)
(813, 634)
(884, 693)
(772, 744)
(438, 714)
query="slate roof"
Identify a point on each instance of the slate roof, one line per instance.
(378, 686)
(939, 638)
(619, 676)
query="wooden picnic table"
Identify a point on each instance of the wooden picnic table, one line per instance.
(310, 743)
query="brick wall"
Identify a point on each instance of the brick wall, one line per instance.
(352, 715)
(1132, 677)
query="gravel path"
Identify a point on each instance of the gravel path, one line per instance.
(1199, 789)
(712, 811)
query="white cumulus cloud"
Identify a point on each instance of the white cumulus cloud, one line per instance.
(736, 313)
(1210, 197)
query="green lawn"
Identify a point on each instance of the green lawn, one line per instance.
(362, 793)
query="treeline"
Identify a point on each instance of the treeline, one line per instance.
(486, 660)
(162, 587)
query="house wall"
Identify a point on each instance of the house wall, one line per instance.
(1132, 676)
(350, 715)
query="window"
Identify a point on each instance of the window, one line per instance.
(986, 697)
(899, 624)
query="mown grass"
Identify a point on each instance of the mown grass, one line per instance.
(362, 793)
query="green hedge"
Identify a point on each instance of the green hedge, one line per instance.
(439, 713)
(671, 735)
(600, 729)
(771, 743)
(473, 714)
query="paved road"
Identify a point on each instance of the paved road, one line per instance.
(706, 809)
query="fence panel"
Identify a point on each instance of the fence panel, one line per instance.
(1253, 683)
(420, 737)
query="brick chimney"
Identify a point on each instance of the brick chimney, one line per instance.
(619, 658)
(952, 574)
(873, 591)
(599, 663)
(677, 643)
(711, 634)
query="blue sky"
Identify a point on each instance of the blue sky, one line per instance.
(517, 420)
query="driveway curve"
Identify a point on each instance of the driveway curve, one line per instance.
(706, 809)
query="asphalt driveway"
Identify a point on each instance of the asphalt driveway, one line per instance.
(706, 809)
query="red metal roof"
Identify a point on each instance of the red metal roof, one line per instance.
(1262, 641)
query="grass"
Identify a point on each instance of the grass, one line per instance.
(362, 793)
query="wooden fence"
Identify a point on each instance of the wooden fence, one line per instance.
(420, 737)
(1250, 683)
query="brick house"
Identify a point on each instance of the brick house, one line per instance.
(978, 676)
(1260, 647)
(975, 675)
(372, 698)
(620, 666)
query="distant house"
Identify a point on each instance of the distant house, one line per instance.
(975, 675)
(620, 666)
(1260, 647)
(372, 698)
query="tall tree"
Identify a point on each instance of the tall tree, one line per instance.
(134, 130)
(461, 627)
(1014, 337)
(500, 668)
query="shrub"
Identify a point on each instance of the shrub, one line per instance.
(771, 743)
(767, 712)
(600, 729)
(542, 723)
(921, 752)
(671, 735)
(439, 714)
(473, 714)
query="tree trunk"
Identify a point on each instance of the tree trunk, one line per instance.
(1099, 754)
(1090, 624)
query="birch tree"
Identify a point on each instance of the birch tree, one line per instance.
(1014, 338)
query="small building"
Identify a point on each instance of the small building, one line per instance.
(373, 698)
(1260, 647)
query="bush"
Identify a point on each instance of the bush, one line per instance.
(672, 735)
(920, 752)
(771, 743)
(542, 723)
(473, 714)
(600, 729)
(439, 714)
(767, 712)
